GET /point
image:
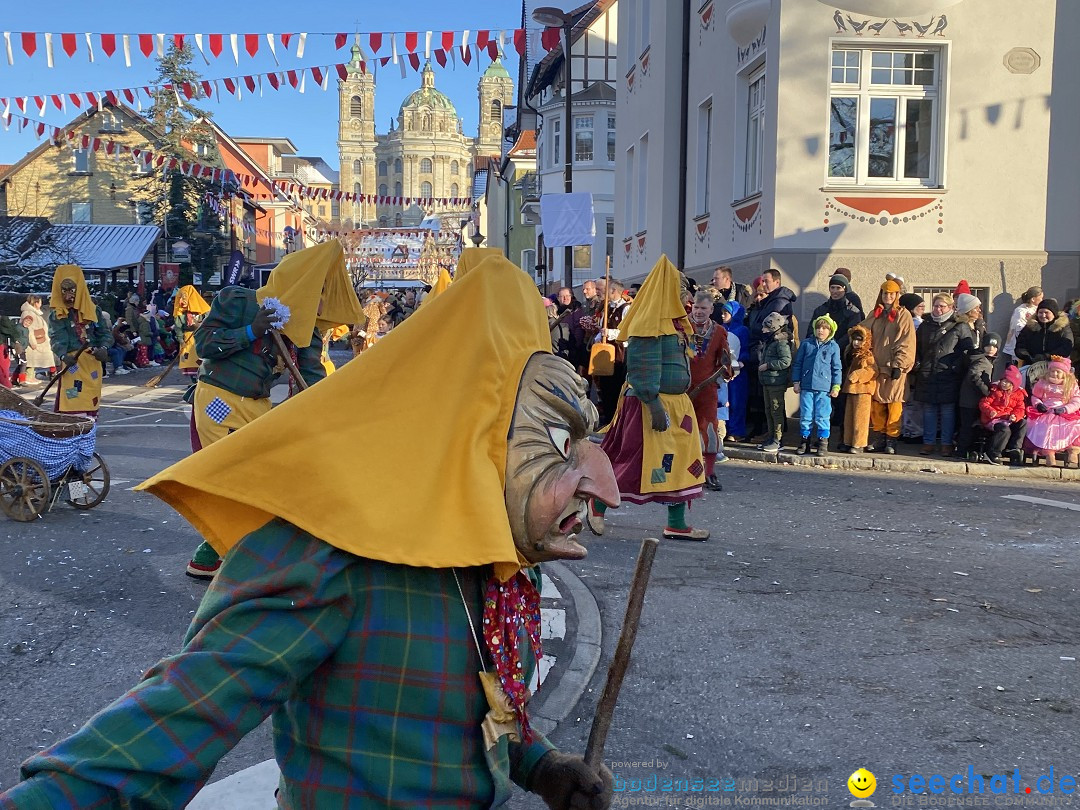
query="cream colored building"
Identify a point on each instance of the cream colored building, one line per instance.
(424, 155)
(934, 140)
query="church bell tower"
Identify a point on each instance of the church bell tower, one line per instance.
(356, 139)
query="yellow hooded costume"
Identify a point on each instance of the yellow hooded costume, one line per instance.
(189, 306)
(80, 386)
(268, 469)
(441, 285)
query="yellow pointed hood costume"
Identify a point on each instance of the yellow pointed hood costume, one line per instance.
(304, 461)
(189, 301)
(441, 285)
(305, 278)
(473, 257)
(84, 304)
(657, 305)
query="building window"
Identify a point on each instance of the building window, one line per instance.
(583, 257)
(142, 167)
(356, 189)
(322, 211)
(80, 213)
(425, 166)
(630, 11)
(81, 161)
(454, 167)
(382, 168)
(383, 221)
(611, 138)
(556, 135)
(642, 192)
(397, 219)
(609, 239)
(929, 291)
(425, 190)
(583, 137)
(884, 116)
(528, 263)
(201, 149)
(453, 189)
(755, 134)
(397, 165)
(110, 123)
(383, 190)
(628, 194)
(397, 189)
(356, 107)
(644, 26)
(496, 110)
(357, 167)
(704, 151)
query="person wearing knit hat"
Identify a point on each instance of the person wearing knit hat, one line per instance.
(915, 304)
(1054, 414)
(1046, 334)
(816, 376)
(397, 628)
(962, 289)
(974, 385)
(969, 310)
(941, 349)
(838, 307)
(1003, 412)
(774, 376)
(653, 441)
(892, 334)
(851, 295)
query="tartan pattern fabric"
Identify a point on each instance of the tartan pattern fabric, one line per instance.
(218, 410)
(369, 669)
(657, 365)
(56, 456)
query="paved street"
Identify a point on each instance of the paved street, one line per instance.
(904, 622)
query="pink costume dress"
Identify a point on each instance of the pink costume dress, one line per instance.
(1051, 431)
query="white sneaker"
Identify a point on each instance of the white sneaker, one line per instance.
(121, 371)
(152, 363)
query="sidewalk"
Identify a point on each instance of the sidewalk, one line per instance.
(907, 459)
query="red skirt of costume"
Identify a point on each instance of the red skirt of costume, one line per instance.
(653, 466)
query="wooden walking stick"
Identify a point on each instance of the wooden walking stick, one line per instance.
(287, 357)
(155, 381)
(64, 370)
(594, 751)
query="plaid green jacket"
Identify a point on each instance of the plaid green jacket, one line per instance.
(233, 362)
(63, 338)
(369, 670)
(657, 366)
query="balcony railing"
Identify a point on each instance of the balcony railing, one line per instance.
(529, 186)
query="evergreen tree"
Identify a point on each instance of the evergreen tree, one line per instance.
(176, 200)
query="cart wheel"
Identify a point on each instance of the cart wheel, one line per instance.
(86, 490)
(24, 489)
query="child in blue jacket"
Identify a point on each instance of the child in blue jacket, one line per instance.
(817, 375)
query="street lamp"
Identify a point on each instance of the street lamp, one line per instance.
(477, 238)
(557, 18)
(541, 273)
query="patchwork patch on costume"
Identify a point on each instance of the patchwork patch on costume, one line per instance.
(218, 410)
(71, 393)
(93, 375)
(658, 476)
(696, 469)
(77, 385)
(687, 424)
(668, 460)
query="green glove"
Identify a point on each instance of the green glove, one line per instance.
(660, 421)
(565, 782)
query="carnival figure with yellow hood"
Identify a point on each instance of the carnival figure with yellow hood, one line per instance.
(653, 441)
(392, 645)
(81, 338)
(240, 359)
(189, 309)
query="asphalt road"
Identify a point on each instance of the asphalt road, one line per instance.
(905, 623)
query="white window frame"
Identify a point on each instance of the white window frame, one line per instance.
(609, 238)
(641, 220)
(753, 138)
(80, 161)
(86, 216)
(580, 130)
(864, 90)
(628, 194)
(611, 121)
(704, 157)
(426, 166)
(556, 126)
(645, 25)
(528, 263)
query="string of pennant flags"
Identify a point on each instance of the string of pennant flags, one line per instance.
(448, 43)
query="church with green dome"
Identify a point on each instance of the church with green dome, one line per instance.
(425, 155)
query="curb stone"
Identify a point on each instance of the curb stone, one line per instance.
(885, 463)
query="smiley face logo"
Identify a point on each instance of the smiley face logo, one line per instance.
(862, 784)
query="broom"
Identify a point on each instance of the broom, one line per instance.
(155, 381)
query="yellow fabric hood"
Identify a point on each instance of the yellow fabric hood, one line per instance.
(84, 304)
(657, 305)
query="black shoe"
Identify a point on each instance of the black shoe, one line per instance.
(803, 448)
(843, 448)
(877, 447)
(820, 448)
(1016, 455)
(713, 483)
(890, 446)
(993, 460)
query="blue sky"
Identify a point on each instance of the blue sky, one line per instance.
(309, 119)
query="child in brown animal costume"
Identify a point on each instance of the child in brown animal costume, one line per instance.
(860, 382)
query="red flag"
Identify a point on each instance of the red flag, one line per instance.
(67, 42)
(208, 89)
(56, 101)
(108, 44)
(250, 82)
(482, 39)
(340, 40)
(91, 99)
(274, 79)
(551, 38)
(230, 85)
(317, 75)
(146, 44)
(251, 44)
(95, 144)
(85, 141)
(40, 129)
(385, 60)
(519, 41)
(178, 41)
(440, 57)
(414, 60)
(110, 147)
(110, 96)
(293, 79)
(493, 50)
(285, 40)
(466, 54)
(375, 41)
(447, 40)
(75, 99)
(215, 45)
(129, 95)
(342, 71)
(29, 42)
(411, 38)
(186, 90)
(40, 102)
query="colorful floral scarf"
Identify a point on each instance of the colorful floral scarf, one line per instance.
(510, 607)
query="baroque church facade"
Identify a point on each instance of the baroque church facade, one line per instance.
(424, 155)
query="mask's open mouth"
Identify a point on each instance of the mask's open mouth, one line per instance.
(561, 540)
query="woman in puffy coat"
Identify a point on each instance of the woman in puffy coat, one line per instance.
(942, 343)
(39, 354)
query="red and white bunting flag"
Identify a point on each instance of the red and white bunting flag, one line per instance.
(301, 43)
(235, 48)
(108, 44)
(342, 71)
(272, 46)
(199, 45)
(89, 47)
(551, 38)
(178, 41)
(375, 41)
(58, 102)
(128, 95)
(160, 45)
(285, 39)
(186, 88)
(250, 82)
(466, 54)
(412, 39)
(427, 44)
(317, 75)
(69, 44)
(146, 44)
(127, 49)
(95, 144)
(110, 148)
(294, 80)
(110, 96)
(303, 76)
(40, 101)
(340, 40)
(520, 41)
(29, 43)
(75, 100)
(48, 50)
(7, 48)
(393, 49)
(274, 79)
(215, 42)
(230, 85)
(482, 39)
(251, 44)
(84, 141)
(208, 89)
(414, 60)
(440, 57)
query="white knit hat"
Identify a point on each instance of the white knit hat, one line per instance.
(965, 303)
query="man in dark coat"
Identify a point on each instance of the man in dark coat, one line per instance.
(777, 299)
(1046, 334)
(729, 291)
(563, 343)
(840, 309)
